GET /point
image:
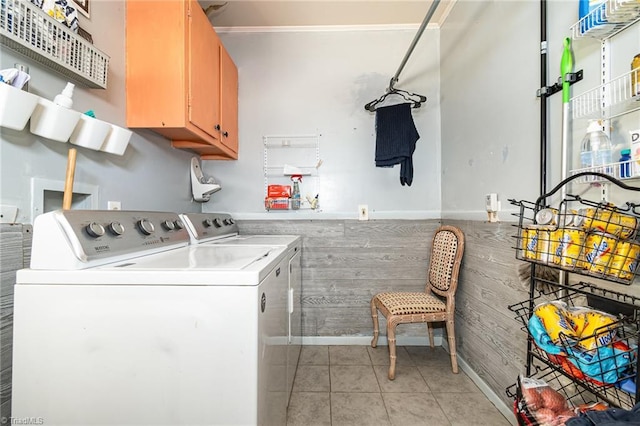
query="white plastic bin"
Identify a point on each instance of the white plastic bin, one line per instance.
(90, 132)
(52, 121)
(16, 106)
(117, 140)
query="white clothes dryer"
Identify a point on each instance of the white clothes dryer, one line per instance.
(221, 229)
(120, 321)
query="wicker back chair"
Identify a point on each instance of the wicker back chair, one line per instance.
(435, 304)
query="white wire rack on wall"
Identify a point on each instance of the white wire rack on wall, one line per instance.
(606, 20)
(623, 98)
(28, 30)
(285, 155)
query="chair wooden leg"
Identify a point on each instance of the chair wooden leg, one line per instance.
(374, 316)
(391, 337)
(451, 336)
(430, 330)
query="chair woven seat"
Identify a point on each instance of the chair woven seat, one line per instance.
(434, 305)
(405, 303)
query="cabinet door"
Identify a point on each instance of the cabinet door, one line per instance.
(204, 65)
(155, 64)
(228, 100)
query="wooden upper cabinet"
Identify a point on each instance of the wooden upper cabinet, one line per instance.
(228, 100)
(174, 77)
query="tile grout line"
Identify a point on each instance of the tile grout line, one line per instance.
(373, 367)
(435, 398)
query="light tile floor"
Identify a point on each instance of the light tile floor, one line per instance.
(348, 385)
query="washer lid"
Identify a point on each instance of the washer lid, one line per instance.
(202, 257)
(259, 240)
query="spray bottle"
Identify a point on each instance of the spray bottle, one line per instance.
(64, 98)
(295, 195)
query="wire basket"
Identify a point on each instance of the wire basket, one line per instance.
(580, 236)
(608, 370)
(579, 399)
(28, 30)
(607, 19)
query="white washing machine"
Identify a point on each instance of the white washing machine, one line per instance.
(119, 321)
(221, 229)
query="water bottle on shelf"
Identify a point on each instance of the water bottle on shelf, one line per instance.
(595, 152)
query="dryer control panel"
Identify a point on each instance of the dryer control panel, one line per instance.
(87, 238)
(209, 226)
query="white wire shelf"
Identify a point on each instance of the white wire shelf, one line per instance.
(626, 170)
(622, 98)
(28, 30)
(278, 170)
(607, 20)
(283, 153)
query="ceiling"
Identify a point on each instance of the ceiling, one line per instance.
(265, 13)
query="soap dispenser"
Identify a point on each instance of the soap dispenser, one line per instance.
(64, 98)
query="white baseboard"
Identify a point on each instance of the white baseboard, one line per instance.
(366, 340)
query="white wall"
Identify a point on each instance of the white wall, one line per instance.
(490, 67)
(490, 112)
(318, 82)
(150, 176)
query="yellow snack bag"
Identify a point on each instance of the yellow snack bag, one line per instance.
(554, 319)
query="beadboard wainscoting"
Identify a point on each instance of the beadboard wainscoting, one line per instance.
(346, 262)
(15, 253)
(489, 339)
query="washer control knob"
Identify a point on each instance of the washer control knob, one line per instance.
(231, 221)
(208, 223)
(178, 224)
(226, 222)
(146, 227)
(217, 222)
(168, 225)
(95, 230)
(116, 228)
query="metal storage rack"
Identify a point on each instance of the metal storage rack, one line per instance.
(299, 151)
(565, 372)
(615, 96)
(612, 98)
(28, 30)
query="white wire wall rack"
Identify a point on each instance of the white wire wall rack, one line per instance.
(611, 17)
(621, 170)
(622, 98)
(28, 30)
(284, 153)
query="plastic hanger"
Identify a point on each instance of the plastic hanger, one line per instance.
(413, 98)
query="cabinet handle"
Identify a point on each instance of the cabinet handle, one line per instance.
(225, 134)
(217, 127)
